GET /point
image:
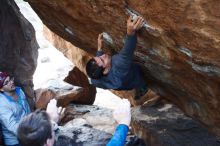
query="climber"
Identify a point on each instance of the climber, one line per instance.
(38, 128)
(119, 72)
(13, 108)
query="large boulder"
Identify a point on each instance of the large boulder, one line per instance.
(18, 47)
(178, 47)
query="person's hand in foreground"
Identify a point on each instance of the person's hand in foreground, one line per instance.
(53, 111)
(122, 114)
(134, 25)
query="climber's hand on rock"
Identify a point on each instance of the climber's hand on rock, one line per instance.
(134, 25)
(100, 41)
(122, 114)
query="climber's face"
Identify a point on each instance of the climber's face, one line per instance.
(103, 61)
(8, 84)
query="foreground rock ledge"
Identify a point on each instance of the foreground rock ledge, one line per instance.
(166, 125)
(91, 126)
(88, 126)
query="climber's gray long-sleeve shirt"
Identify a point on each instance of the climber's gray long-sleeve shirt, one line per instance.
(124, 73)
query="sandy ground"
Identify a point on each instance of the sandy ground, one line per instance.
(52, 64)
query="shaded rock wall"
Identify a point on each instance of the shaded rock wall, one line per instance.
(166, 125)
(179, 46)
(18, 47)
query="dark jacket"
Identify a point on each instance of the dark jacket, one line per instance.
(124, 73)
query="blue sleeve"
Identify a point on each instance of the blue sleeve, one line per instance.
(99, 53)
(23, 100)
(119, 136)
(125, 56)
(8, 119)
(98, 83)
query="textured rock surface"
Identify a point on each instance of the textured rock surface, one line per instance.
(179, 46)
(64, 96)
(18, 47)
(166, 125)
(83, 130)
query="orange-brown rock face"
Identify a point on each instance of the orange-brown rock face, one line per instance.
(78, 56)
(179, 46)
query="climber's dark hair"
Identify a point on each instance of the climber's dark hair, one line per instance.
(93, 70)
